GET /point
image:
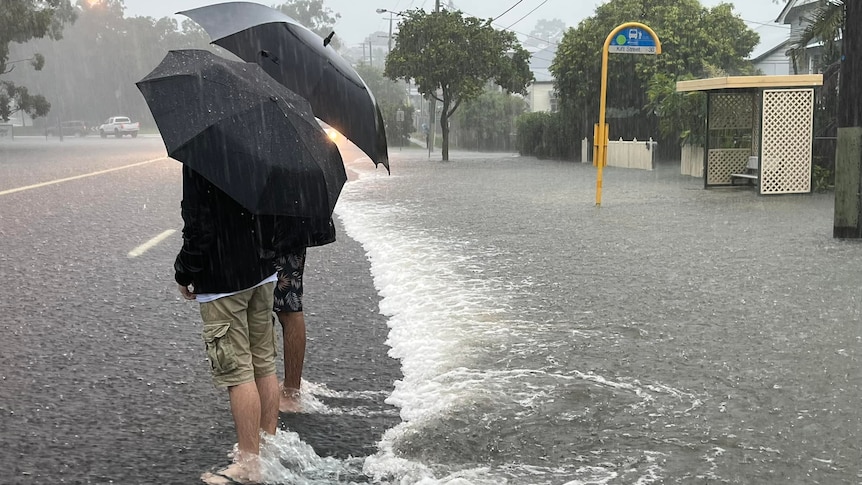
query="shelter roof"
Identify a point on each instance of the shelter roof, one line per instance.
(749, 82)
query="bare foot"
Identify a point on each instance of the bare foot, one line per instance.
(245, 472)
(289, 401)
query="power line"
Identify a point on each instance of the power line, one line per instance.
(528, 14)
(507, 10)
(548, 41)
(766, 24)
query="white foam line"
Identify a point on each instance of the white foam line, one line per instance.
(134, 253)
(76, 177)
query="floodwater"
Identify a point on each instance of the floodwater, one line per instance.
(674, 335)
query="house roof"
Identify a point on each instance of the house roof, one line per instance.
(791, 4)
(747, 82)
(540, 63)
(763, 55)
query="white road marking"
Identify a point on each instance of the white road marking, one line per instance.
(76, 177)
(134, 253)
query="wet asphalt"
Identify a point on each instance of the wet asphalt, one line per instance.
(103, 378)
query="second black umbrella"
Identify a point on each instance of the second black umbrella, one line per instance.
(246, 133)
(299, 59)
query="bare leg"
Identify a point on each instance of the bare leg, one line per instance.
(267, 389)
(245, 405)
(255, 407)
(293, 328)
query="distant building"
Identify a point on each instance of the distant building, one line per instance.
(798, 14)
(774, 61)
(541, 95)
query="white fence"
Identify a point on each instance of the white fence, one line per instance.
(691, 162)
(624, 154)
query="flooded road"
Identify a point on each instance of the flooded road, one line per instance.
(675, 335)
(103, 377)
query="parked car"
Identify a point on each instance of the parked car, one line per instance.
(69, 128)
(119, 126)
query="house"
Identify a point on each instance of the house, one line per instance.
(541, 95)
(798, 14)
(774, 60)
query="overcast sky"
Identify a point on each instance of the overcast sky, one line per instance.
(359, 19)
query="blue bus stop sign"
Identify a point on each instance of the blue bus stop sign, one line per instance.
(633, 40)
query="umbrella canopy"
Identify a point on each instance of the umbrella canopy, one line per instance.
(246, 133)
(299, 59)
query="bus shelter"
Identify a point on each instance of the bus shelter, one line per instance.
(759, 130)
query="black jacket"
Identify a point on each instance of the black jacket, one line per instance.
(225, 248)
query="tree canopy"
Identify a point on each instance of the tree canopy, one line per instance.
(391, 96)
(314, 15)
(90, 73)
(695, 40)
(451, 58)
(20, 21)
(546, 32)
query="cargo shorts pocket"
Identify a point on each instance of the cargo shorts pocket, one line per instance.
(220, 351)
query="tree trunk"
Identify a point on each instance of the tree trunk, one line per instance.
(444, 125)
(848, 156)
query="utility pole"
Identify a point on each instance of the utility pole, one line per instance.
(391, 16)
(848, 154)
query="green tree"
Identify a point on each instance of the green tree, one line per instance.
(20, 21)
(314, 15)
(451, 58)
(90, 74)
(694, 39)
(391, 96)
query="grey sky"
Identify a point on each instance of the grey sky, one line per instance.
(358, 17)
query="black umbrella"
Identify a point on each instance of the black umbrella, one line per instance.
(246, 133)
(302, 61)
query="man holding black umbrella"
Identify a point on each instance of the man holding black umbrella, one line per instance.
(224, 264)
(253, 158)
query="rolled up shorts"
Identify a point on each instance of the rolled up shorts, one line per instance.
(240, 336)
(287, 296)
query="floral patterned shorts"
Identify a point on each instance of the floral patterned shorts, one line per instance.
(287, 296)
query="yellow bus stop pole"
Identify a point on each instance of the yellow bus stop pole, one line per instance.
(601, 129)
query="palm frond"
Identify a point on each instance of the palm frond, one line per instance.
(826, 25)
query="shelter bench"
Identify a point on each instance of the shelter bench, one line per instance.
(750, 174)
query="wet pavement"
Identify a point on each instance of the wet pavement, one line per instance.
(718, 327)
(102, 374)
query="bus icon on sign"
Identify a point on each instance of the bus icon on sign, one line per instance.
(634, 34)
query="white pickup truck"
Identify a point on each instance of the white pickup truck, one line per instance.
(119, 126)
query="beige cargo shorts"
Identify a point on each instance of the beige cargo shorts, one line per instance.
(240, 336)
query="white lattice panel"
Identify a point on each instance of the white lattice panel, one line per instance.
(723, 162)
(731, 111)
(785, 162)
(757, 128)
